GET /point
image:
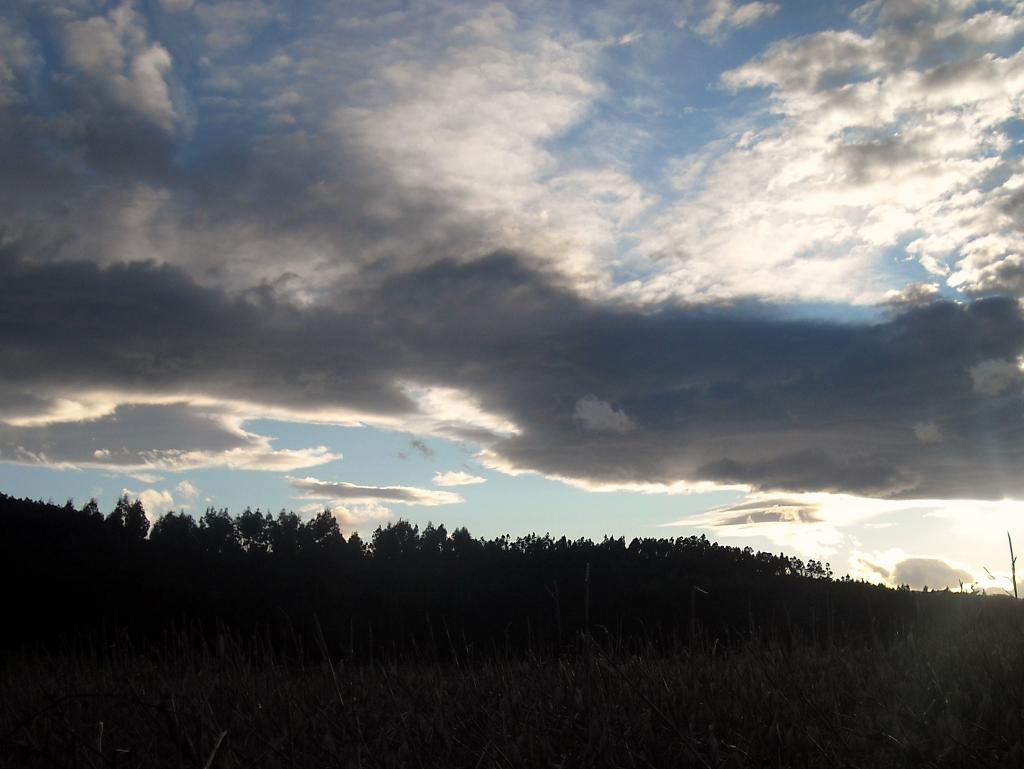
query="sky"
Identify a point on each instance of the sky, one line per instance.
(752, 270)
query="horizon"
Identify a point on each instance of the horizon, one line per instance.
(911, 575)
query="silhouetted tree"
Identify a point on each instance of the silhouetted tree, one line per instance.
(434, 539)
(321, 532)
(355, 545)
(413, 589)
(136, 524)
(217, 532)
(91, 510)
(128, 519)
(254, 530)
(284, 533)
(116, 520)
(395, 540)
(462, 543)
(175, 531)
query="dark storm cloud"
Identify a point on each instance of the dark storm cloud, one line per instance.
(709, 394)
(811, 470)
(147, 328)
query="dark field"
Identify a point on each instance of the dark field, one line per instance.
(952, 699)
(270, 642)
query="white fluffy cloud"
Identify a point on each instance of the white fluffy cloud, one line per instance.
(187, 491)
(890, 137)
(352, 516)
(474, 119)
(156, 502)
(457, 478)
(114, 53)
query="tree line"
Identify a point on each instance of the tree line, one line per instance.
(74, 572)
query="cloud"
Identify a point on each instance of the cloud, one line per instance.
(457, 478)
(913, 295)
(187, 490)
(928, 432)
(596, 414)
(814, 525)
(19, 60)
(768, 510)
(231, 24)
(177, 6)
(997, 376)
(932, 572)
(895, 568)
(422, 448)
(745, 398)
(888, 140)
(817, 525)
(289, 210)
(155, 502)
(469, 109)
(113, 54)
(138, 438)
(356, 517)
(387, 222)
(352, 517)
(810, 470)
(455, 413)
(393, 139)
(341, 492)
(723, 17)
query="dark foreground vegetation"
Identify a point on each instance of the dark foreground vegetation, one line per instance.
(943, 701)
(231, 643)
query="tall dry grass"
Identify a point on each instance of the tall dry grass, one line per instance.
(953, 696)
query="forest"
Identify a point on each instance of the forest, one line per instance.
(272, 640)
(407, 589)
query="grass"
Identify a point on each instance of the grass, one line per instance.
(952, 697)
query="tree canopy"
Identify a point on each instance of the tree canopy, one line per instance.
(407, 588)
